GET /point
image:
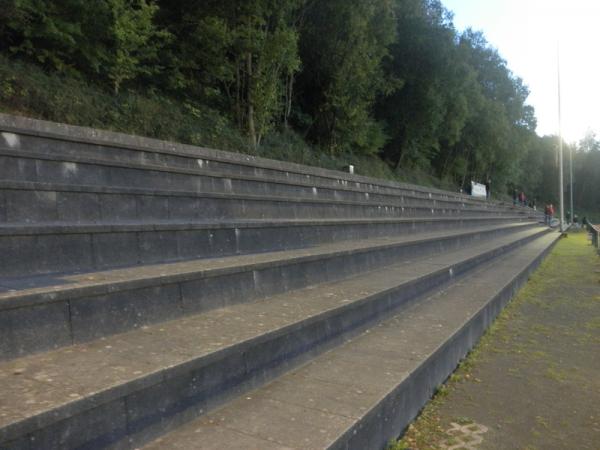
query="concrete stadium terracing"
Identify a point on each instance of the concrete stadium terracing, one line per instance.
(160, 295)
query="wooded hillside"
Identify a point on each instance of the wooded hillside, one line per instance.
(384, 80)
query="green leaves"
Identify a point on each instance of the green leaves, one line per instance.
(113, 40)
(359, 78)
(343, 44)
(240, 55)
(460, 112)
(136, 41)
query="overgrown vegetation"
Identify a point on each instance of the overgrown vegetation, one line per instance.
(28, 90)
(388, 85)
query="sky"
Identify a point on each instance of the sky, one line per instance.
(528, 34)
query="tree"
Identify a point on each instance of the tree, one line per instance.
(586, 168)
(495, 137)
(342, 46)
(266, 49)
(243, 52)
(136, 41)
(377, 78)
(65, 36)
(430, 109)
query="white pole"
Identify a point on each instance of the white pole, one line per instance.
(560, 150)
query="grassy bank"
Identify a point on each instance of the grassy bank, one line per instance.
(27, 90)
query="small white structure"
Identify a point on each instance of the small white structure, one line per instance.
(478, 190)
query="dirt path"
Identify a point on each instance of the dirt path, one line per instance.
(533, 382)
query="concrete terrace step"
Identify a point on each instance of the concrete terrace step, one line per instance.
(60, 139)
(363, 393)
(145, 283)
(42, 167)
(123, 390)
(44, 312)
(55, 247)
(33, 202)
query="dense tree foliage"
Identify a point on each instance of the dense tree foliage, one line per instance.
(586, 173)
(388, 78)
(342, 46)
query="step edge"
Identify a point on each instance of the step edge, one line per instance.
(26, 154)
(16, 300)
(14, 430)
(10, 185)
(75, 133)
(63, 227)
(515, 283)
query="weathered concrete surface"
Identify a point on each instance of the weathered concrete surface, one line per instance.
(58, 248)
(65, 162)
(114, 301)
(169, 373)
(533, 381)
(51, 137)
(49, 202)
(187, 276)
(360, 394)
(36, 167)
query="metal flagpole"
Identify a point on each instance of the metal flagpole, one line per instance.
(560, 149)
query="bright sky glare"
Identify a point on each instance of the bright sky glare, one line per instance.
(527, 34)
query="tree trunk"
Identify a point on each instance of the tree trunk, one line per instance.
(250, 106)
(238, 95)
(449, 157)
(401, 155)
(399, 161)
(289, 90)
(332, 138)
(468, 157)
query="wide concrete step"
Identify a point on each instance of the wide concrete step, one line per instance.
(44, 152)
(60, 247)
(43, 312)
(365, 392)
(77, 171)
(69, 144)
(123, 390)
(26, 202)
